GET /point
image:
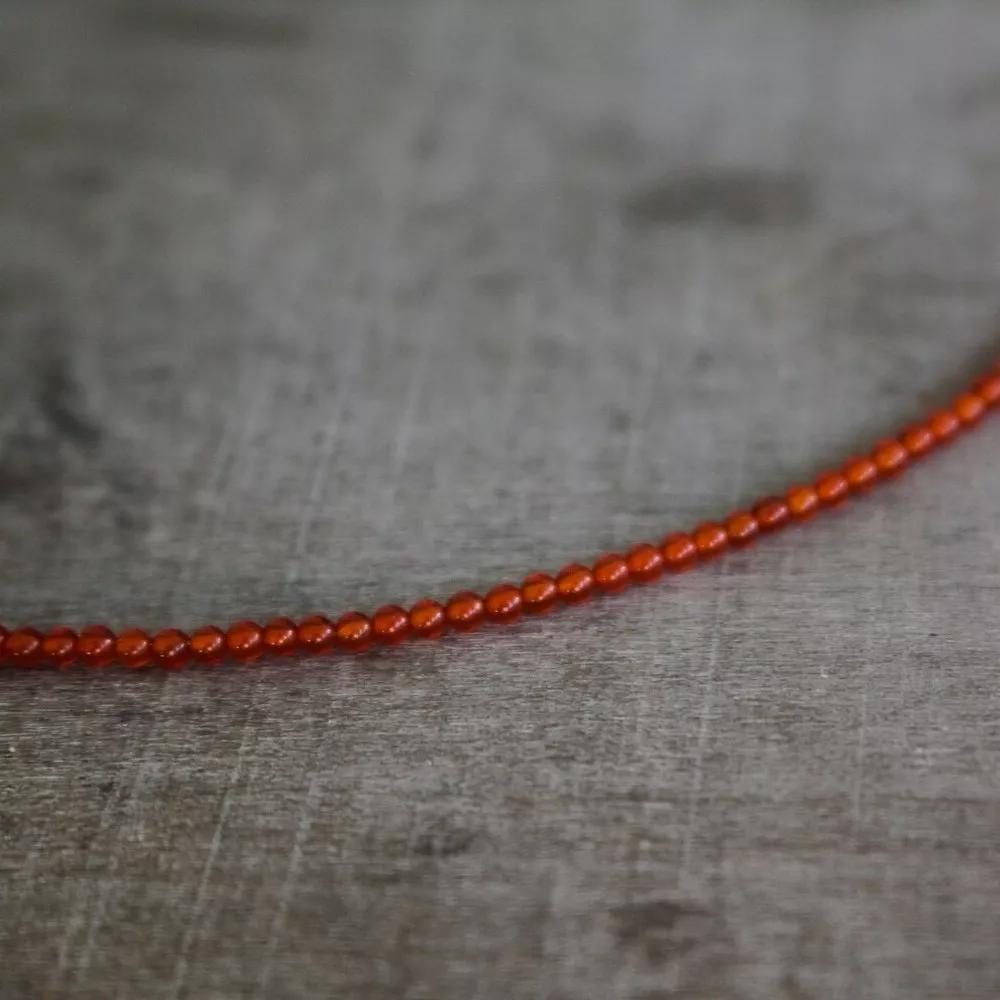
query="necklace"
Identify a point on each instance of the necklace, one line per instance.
(538, 593)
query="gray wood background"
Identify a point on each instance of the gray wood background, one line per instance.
(309, 306)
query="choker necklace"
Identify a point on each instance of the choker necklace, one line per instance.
(539, 593)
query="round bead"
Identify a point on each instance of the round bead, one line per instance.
(772, 513)
(59, 647)
(987, 388)
(427, 619)
(679, 552)
(208, 644)
(245, 641)
(611, 573)
(171, 649)
(710, 539)
(969, 408)
(317, 635)
(96, 646)
(280, 637)
(22, 648)
(861, 474)
(354, 632)
(890, 457)
(465, 611)
(944, 425)
(918, 440)
(390, 625)
(803, 502)
(575, 583)
(832, 488)
(645, 563)
(133, 648)
(539, 593)
(741, 528)
(504, 604)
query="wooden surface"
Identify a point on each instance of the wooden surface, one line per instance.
(310, 306)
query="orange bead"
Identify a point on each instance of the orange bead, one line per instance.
(710, 539)
(245, 641)
(465, 611)
(133, 649)
(171, 649)
(987, 388)
(390, 625)
(679, 552)
(428, 620)
(918, 440)
(575, 583)
(861, 474)
(317, 635)
(742, 528)
(539, 593)
(22, 648)
(96, 646)
(803, 502)
(354, 632)
(890, 457)
(772, 513)
(611, 573)
(504, 604)
(59, 647)
(645, 563)
(969, 408)
(944, 425)
(208, 644)
(832, 489)
(280, 637)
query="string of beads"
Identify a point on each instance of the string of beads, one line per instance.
(506, 603)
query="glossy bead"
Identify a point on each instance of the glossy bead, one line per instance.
(987, 388)
(575, 583)
(133, 649)
(803, 502)
(208, 644)
(969, 408)
(645, 563)
(710, 539)
(171, 649)
(741, 528)
(465, 611)
(504, 604)
(280, 637)
(317, 635)
(890, 457)
(96, 646)
(832, 489)
(427, 619)
(918, 440)
(772, 513)
(354, 632)
(861, 474)
(245, 641)
(539, 593)
(679, 552)
(611, 573)
(59, 647)
(22, 648)
(944, 425)
(390, 625)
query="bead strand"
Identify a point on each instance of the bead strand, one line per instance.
(96, 646)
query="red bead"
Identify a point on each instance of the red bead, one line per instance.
(645, 563)
(575, 583)
(390, 625)
(540, 593)
(772, 513)
(611, 573)
(280, 637)
(710, 539)
(944, 425)
(742, 528)
(134, 649)
(504, 604)
(245, 641)
(861, 474)
(969, 408)
(890, 457)
(96, 646)
(354, 632)
(832, 489)
(918, 440)
(317, 635)
(465, 611)
(428, 620)
(59, 647)
(208, 644)
(987, 388)
(679, 552)
(803, 502)
(171, 649)
(22, 648)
